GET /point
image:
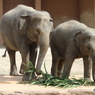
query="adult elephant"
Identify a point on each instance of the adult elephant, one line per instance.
(24, 29)
(71, 40)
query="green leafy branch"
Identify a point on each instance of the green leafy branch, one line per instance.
(49, 80)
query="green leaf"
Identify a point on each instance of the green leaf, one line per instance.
(49, 80)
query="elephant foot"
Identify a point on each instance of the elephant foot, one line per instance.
(87, 79)
(54, 74)
(39, 72)
(21, 71)
(27, 77)
(14, 73)
(64, 76)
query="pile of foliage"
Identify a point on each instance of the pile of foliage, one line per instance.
(49, 80)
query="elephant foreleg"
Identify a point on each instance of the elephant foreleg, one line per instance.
(25, 64)
(67, 65)
(33, 53)
(87, 67)
(25, 61)
(33, 56)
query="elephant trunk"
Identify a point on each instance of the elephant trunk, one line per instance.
(44, 44)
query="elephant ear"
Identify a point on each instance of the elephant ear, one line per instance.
(78, 38)
(23, 23)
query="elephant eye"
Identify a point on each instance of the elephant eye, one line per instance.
(51, 20)
(88, 48)
(38, 31)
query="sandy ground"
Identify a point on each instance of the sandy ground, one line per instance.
(9, 86)
(77, 68)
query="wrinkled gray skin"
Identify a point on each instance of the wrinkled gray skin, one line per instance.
(71, 40)
(24, 29)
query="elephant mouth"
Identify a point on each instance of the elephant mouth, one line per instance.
(33, 39)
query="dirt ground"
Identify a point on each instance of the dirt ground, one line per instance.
(9, 86)
(77, 68)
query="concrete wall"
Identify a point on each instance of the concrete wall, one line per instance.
(9, 4)
(86, 11)
(63, 10)
(60, 10)
(1, 12)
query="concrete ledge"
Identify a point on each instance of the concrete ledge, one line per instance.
(20, 89)
(9, 86)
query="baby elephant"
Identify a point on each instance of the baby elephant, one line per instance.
(71, 40)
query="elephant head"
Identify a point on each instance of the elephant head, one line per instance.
(37, 26)
(85, 41)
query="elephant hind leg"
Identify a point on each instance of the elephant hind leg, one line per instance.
(4, 55)
(60, 67)
(13, 68)
(54, 67)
